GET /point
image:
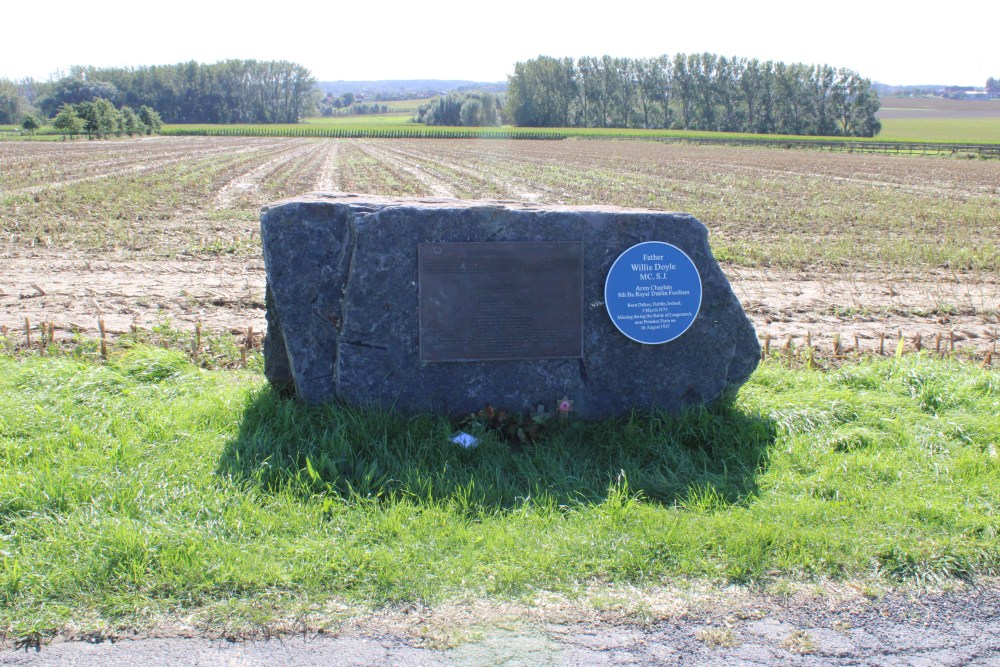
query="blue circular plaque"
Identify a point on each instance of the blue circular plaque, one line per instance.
(653, 292)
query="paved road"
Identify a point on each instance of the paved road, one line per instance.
(958, 628)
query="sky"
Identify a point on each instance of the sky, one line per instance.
(888, 42)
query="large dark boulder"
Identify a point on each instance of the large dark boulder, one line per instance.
(345, 296)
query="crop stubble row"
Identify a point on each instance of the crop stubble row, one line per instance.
(922, 231)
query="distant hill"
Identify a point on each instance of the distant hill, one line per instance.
(885, 90)
(407, 88)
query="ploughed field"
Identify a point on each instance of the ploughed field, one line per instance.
(164, 230)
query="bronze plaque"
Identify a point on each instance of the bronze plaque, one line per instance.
(500, 301)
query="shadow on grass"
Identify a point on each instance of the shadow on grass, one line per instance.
(705, 456)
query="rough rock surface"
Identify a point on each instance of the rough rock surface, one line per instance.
(343, 309)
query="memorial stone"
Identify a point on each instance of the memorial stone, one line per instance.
(442, 305)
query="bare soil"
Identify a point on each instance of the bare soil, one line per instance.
(75, 292)
(869, 310)
(433, 185)
(163, 230)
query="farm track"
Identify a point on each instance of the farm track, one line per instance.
(191, 253)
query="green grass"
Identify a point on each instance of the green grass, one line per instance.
(945, 130)
(145, 487)
(898, 130)
(908, 130)
(366, 125)
(49, 133)
(408, 106)
(42, 134)
(401, 120)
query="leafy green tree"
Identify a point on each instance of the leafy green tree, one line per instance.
(699, 91)
(30, 124)
(588, 91)
(653, 91)
(607, 85)
(73, 90)
(234, 91)
(131, 123)
(100, 118)
(475, 109)
(443, 110)
(471, 113)
(17, 99)
(861, 103)
(541, 92)
(85, 111)
(702, 67)
(9, 105)
(684, 86)
(749, 78)
(150, 120)
(118, 123)
(492, 109)
(68, 122)
(730, 107)
(823, 80)
(792, 108)
(768, 88)
(626, 77)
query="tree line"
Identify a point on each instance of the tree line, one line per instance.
(233, 91)
(100, 118)
(332, 104)
(699, 91)
(475, 109)
(13, 102)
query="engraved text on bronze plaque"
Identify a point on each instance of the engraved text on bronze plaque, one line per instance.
(500, 301)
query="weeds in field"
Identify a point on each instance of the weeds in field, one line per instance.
(800, 642)
(716, 638)
(205, 348)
